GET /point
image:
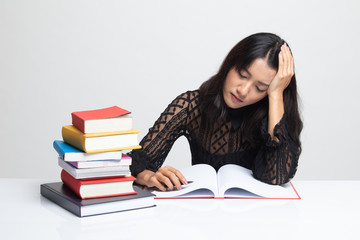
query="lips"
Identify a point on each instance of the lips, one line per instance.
(236, 99)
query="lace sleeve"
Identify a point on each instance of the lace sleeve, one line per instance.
(276, 162)
(161, 137)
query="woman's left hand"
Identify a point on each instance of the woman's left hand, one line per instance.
(284, 73)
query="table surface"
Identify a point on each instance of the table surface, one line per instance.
(327, 210)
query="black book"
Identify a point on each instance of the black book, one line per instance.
(61, 195)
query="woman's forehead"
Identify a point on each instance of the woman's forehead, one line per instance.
(260, 70)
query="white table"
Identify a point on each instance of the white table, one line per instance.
(327, 210)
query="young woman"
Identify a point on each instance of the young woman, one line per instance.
(247, 114)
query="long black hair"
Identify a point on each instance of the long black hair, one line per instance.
(213, 106)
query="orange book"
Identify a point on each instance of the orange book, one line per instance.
(100, 142)
(99, 187)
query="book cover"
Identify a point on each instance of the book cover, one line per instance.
(99, 187)
(80, 173)
(101, 142)
(72, 154)
(80, 118)
(61, 195)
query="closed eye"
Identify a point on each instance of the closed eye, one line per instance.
(260, 90)
(242, 76)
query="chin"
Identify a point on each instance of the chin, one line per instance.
(233, 106)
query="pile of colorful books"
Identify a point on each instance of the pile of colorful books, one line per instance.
(92, 157)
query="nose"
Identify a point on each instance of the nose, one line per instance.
(243, 90)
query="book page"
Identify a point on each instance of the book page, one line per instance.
(204, 183)
(234, 181)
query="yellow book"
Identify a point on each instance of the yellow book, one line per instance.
(101, 142)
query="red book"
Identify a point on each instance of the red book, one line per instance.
(99, 187)
(102, 120)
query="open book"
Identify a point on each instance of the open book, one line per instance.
(231, 181)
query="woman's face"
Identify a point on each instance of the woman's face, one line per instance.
(249, 86)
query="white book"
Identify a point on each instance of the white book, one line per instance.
(231, 181)
(94, 172)
(125, 161)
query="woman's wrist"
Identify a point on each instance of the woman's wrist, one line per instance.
(276, 111)
(143, 177)
(275, 95)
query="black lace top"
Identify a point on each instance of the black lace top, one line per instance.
(271, 161)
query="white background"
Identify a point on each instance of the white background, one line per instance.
(61, 56)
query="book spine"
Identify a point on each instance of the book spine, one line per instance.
(69, 181)
(64, 202)
(74, 164)
(78, 122)
(58, 149)
(74, 138)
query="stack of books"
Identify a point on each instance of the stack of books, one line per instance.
(94, 164)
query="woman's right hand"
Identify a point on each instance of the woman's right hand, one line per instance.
(165, 178)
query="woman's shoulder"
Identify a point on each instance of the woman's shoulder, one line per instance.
(190, 96)
(187, 100)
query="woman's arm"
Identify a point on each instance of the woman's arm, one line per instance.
(277, 159)
(147, 162)
(277, 87)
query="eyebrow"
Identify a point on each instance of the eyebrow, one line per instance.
(261, 83)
